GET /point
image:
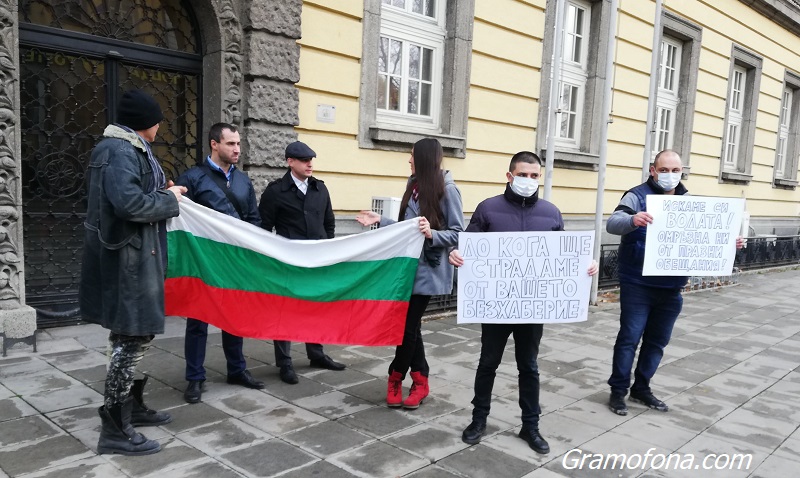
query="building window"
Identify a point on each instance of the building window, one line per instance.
(787, 148)
(679, 60)
(409, 63)
(574, 74)
(415, 73)
(581, 85)
(668, 94)
(736, 158)
(734, 127)
(783, 132)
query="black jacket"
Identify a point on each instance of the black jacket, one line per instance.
(296, 215)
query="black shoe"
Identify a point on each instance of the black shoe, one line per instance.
(194, 391)
(245, 380)
(473, 433)
(288, 375)
(327, 362)
(535, 440)
(649, 400)
(616, 403)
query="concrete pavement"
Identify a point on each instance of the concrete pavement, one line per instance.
(730, 377)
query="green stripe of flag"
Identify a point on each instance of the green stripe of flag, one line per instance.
(231, 267)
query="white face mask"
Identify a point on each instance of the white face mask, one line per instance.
(525, 187)
(669, 181)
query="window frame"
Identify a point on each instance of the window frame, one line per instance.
(690, 36)
(733, 141)
(740, 171)
(791, 136)
(667, 99)
(574, 74)
(450, 97)
(390, 118)
(585, 153)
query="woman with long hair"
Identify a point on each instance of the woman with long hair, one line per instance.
(432, 196)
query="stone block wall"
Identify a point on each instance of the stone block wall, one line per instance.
(271, 67)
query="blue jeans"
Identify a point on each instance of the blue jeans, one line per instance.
(195, 350)
(647, 314)
(526, 350)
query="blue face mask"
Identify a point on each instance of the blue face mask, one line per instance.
(525, 187)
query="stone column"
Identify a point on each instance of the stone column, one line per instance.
(271, 102)
(17, 320)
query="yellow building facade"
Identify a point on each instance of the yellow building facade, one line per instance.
(508, 61)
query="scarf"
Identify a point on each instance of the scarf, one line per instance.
(159, 179)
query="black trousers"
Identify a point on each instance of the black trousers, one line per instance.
(283, 352)
(526, 349)
(195, 350)
(411, 353)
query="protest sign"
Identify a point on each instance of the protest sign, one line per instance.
(691, 235)
(524, 277)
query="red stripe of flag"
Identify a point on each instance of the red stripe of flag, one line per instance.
(267, 316)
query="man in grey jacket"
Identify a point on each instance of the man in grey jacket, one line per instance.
(122, 275)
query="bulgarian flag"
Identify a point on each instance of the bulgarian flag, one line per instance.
(253, 283)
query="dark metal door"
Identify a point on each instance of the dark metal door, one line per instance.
(70, 82)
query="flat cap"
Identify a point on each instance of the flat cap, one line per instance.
(299, 150)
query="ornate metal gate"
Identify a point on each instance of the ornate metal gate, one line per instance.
(77, 57)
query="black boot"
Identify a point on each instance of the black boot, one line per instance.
(141, 416)
(118, 436)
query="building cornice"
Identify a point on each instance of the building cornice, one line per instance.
(783, 12)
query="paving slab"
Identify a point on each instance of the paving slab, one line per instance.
(379, 422)
(94, 467)
(283, 419)
(334, 404)
(200, 469)
(481, 461)
(327, 438)
(219, 438)
(267, 459)
(14, 407)
(42, 454)
(378, 460)
(429, 440)
(174, 455)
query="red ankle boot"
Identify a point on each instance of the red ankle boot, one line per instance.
(394, 393)
(419, 390)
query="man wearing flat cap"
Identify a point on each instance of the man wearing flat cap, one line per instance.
(122, 275)
(298, 206)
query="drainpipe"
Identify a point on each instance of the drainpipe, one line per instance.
(555, 95)
(601, 171)
(655, 64)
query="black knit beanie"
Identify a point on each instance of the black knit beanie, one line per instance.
(138, 111)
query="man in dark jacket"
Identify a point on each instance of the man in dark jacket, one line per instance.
(298, 206)
(649, 305)
(122, 275)
(219, 185)
(518, 209)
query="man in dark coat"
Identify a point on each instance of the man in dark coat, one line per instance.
(298, 206)
(519, 208)
(217, 184)
(122, 275)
